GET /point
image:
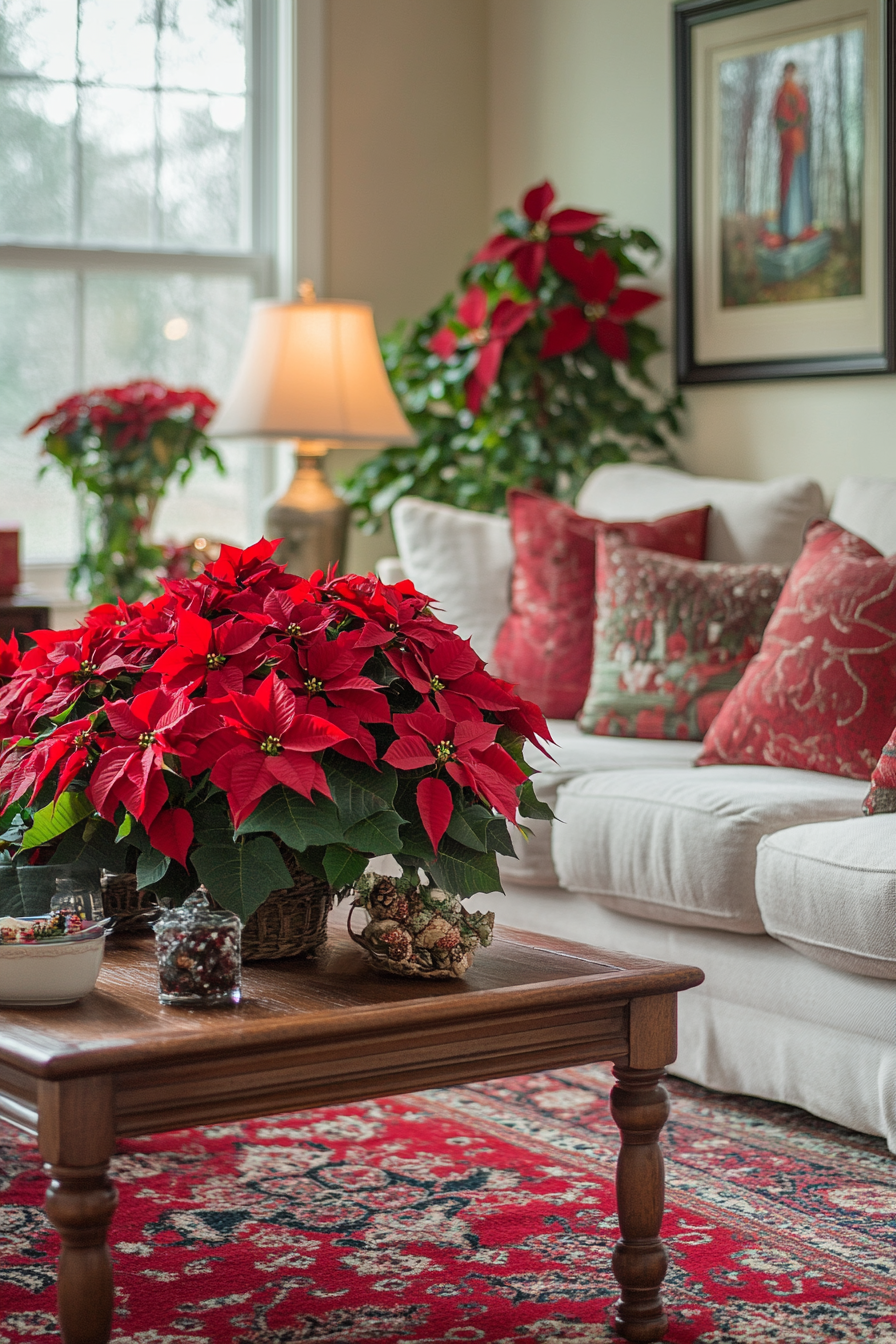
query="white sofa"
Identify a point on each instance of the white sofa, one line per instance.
(771, 880)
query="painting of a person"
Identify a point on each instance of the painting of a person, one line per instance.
(792, 122)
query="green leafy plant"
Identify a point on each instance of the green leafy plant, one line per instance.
(534, 373)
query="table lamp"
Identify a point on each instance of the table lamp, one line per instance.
(311, 371)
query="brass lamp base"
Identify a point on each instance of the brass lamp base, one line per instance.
(310, 517)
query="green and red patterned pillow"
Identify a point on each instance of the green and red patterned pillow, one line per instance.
(545, 647)
(882, 795)
(672, 638)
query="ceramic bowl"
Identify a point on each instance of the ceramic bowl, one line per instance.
(36, 975)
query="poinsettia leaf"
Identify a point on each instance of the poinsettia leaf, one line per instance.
(151, 868)
(11, 902)
(240, 876)
(499, 839)
(435, 804)
(57, 818)
(343, 866)
(531, 806)
(212, 824)
(175, 886)
(124, 829)
(93, 844)
(416, 845)
(464, 872)
(358, 790)
(296, 820)
(378, 834)
(311, 860)
(470, 827)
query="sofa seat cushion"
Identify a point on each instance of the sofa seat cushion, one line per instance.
(828, 890)
(680, 845)
(575, 754)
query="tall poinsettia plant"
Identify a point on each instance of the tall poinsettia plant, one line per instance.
(533, 373)
(245, 711)
(120, 447)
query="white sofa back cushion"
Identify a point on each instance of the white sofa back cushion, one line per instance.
(464, 559)
(750, 521)
(461, 559)
(866, 505)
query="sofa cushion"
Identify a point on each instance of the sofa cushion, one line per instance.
(575, 754)
(750, 520)
(460, 558)
(821, 692)
(672, 638)
(829, 890)
(545, 646)
(866, 505)
(680, 845)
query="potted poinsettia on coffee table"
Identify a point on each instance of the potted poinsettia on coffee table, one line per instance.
(266, 736)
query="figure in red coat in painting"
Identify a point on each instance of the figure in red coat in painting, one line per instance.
(792, 120)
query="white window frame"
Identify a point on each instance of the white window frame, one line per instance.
(285, 86)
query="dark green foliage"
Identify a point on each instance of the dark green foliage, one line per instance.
(546, 423)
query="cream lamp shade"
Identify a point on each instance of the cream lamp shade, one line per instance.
(312, 370)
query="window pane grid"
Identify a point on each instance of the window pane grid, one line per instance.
(154, 159)
(125, 229)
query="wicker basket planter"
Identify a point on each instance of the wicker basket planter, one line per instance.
(290, 923)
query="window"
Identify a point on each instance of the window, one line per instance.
(138, 213)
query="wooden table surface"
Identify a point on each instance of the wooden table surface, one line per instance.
(317, 1032)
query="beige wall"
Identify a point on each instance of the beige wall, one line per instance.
(581, 91)
(407, 162)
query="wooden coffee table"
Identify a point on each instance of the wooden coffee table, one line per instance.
(315, 1033)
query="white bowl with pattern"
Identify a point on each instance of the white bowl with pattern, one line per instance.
(37, 975)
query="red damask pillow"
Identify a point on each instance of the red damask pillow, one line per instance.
(882, 796)
(821, 693)
(545, 646)
(672, 638)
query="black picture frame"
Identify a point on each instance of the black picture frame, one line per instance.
(687, 15)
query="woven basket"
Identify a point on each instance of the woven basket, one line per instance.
(124, 903)
(290, 923)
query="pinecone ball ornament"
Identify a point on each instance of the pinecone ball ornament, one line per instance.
(417, 930)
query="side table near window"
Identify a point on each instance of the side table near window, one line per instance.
(19, 614)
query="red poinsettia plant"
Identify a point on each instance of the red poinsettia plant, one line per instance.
(193, 737)
(532, 373)
(120, 447)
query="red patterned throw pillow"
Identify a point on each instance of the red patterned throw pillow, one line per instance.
(545, 645)
(672, 638)
(882, 795)
(821, 694)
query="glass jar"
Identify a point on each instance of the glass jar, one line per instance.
(198, 951)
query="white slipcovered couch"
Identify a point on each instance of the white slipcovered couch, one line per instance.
(771, 880)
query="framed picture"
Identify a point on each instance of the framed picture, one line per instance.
(785, 182)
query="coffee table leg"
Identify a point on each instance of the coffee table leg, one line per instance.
(640, 1107)
(76, 1133)
(80, 1204)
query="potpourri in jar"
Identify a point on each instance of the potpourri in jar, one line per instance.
(198, 951)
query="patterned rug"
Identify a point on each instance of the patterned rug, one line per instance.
(475, 1213)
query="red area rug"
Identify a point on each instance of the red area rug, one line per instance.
(475, 1213)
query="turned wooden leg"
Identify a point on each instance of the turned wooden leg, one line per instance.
(640, 1107)
(80, 1204)
(76, 1132)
